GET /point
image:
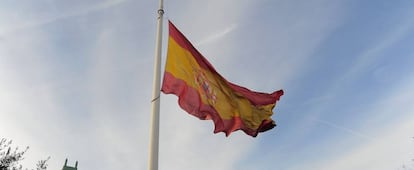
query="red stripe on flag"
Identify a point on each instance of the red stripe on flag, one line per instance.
(256, 98)
(190, 101)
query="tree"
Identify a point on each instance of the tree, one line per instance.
(9, 157)
(407, 167)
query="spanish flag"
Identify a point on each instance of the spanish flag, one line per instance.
(204, 93)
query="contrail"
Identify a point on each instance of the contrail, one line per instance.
(348, 130)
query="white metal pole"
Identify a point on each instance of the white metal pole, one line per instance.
(155, 117)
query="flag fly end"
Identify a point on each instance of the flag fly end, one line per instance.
(204, 93)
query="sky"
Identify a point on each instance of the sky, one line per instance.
(76, 82)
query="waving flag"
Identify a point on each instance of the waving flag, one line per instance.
(204, 93)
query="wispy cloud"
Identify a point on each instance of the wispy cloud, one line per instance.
(25, 25)
(104, 123)
(389, 145)
(368, 57)
(388, 151)
(361, 64)
(217, 35)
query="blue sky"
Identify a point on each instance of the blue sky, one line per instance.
(76, 79)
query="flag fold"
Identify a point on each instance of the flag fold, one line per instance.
(204, 93)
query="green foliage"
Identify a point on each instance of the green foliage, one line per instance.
(10, 158)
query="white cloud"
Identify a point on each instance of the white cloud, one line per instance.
(109, 129)
(29, 111)
(37, 98)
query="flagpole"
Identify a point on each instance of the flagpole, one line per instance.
(155, 116)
